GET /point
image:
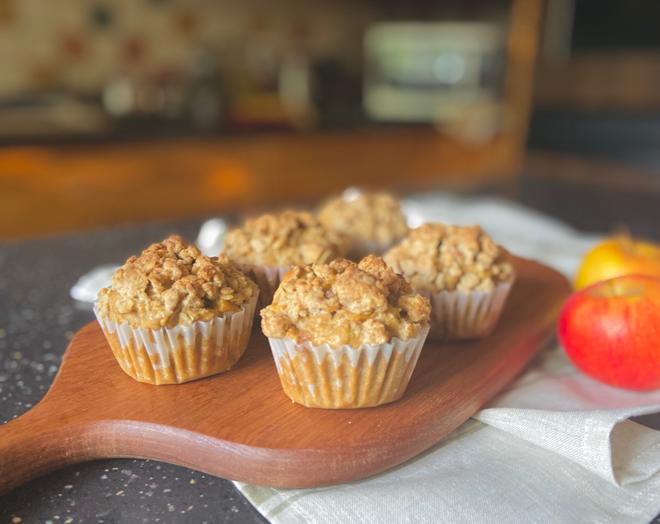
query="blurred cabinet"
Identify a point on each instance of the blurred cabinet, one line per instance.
(47, 189)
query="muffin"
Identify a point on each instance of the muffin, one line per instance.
(345, 335)
(462, 270)
(372, 222)
(173, 315)
(267, 246)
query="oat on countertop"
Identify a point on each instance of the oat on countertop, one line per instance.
(345, 303)
(436, 257)
(284, 239)
(172, 283)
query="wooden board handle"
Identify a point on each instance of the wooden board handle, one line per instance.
(36, 443)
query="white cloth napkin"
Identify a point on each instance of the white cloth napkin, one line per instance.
(555, 447)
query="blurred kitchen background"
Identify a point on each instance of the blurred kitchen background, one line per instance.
(113, 112)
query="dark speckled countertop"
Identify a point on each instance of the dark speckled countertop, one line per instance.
(37, 319)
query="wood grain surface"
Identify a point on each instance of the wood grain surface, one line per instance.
(240, 425)
(75, 187)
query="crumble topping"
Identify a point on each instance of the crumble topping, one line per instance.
(436, 257)
(374, 218)
(172, 283)
(345, 303)
(285, 239)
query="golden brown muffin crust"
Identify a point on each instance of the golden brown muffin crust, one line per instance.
(172, 283)
(366, 217)
(345, 303)
(437, 257)
(284, 239)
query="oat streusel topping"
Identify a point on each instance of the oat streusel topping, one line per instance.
(345, 303)
(284, 239)
(436, 257)
(172, 283)
(366, 217)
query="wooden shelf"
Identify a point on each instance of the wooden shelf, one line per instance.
(52, 189)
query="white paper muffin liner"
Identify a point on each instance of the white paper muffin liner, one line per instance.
(459, 315)
(347, 377)
(267, 278)
(181, 353)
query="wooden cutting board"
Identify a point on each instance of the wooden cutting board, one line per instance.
(240, 425)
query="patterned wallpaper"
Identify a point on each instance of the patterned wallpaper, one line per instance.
(82, 45)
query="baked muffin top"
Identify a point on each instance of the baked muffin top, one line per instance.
(437, 257)
(284, 239)
(172, 283)
(344, 303)
(366, 217)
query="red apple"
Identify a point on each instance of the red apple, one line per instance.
(611, 331)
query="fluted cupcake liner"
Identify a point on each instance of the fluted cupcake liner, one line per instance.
(181, 353)
(267, 278)
(320, 376)
(459, 315)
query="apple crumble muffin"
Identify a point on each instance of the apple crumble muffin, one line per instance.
(344, 303)
(174, 315)
(462, 270)
(265, 247)
(282, 240)
(436, 257)
(371, 221)
(173, 283)
(345, 335)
